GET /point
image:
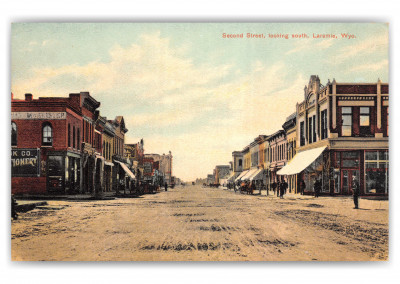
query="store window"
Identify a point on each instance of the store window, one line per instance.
(47, 134)
(376, 172)
(347, 120)
(350, 159)
(55, 173)
(14, 134)
(365, 123)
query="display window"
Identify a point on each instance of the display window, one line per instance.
(376, 172)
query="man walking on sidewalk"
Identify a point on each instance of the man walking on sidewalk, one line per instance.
(356, 191)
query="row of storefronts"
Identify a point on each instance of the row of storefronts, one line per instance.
(64, 146)
(339, 133)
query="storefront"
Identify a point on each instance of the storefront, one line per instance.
(123, 177)
(337, 168)
(369, 167)
(108, 176)
(63, 172)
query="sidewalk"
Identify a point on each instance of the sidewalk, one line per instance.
(105, 196)
(27, 205)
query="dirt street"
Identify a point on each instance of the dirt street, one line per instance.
(195, 223)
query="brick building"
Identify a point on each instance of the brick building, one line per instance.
(343, 134)
(60, 131)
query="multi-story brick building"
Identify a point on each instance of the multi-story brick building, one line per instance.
(122, 176)
(342, 131)
(60, 131)
(277, 155)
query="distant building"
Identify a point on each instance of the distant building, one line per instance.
(165, 165)
(221, 173)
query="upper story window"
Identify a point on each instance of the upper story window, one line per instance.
(78, 135)
(387, 122)
(69, 135)
(347, 121)
(14, 133)
(240, 162)
(73, 137)
(365, 122)
(310, 127)
(302, 136)
(47, 134)
(324, 124)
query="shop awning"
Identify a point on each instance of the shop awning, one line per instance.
(249, 174)
(233, 177)
(258, 175)
(127, 170)
(301, 161)
(241, 175)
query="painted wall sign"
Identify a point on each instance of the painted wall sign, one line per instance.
(38, 115)
(25, 162)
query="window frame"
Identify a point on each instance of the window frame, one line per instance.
(351, 121)
(302, 137)
(365, 130)
(14, 134)
(44, 126)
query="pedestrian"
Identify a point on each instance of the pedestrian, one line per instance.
(284, 186)
(166, 186)
(252, 187)
(356, 191)
(317, 187)
(274, 186)
(302, 187)
(278, 188)
(261, 186)
(14, 214)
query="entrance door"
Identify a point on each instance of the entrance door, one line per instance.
(347, 179)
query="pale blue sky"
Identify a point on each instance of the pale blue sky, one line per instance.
(184, 88)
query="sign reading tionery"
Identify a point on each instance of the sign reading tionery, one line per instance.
(25, 162)
(38, 115)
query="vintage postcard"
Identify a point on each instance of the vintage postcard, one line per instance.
(199, 142)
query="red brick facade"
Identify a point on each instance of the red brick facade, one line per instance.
(67, 119)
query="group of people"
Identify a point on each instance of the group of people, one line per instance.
(247, 186)
(279, 187)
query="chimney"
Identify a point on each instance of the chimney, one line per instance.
(28, 97)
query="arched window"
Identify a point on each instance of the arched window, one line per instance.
(47, 134)
(13, 134)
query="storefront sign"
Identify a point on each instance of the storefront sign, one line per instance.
(25, 162)
(38, 115)
(147, 168)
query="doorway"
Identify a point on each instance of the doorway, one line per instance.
(347, 178)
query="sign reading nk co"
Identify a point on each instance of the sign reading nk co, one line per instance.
(25, 162)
